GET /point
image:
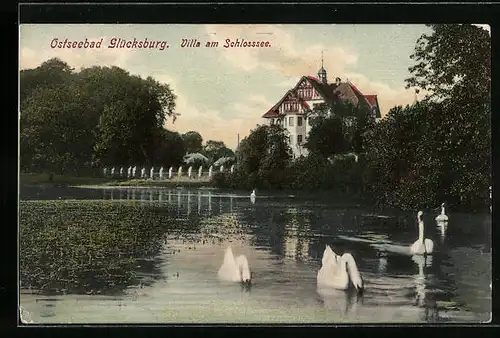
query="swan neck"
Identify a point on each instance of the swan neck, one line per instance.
(352, 270)
(442, 210)
(421, 231)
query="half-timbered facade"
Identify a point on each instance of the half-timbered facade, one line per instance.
(309, 91)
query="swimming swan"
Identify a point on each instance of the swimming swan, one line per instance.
(421, 246)
(442, 216)
(336, 271)
(25, 316)
(252, 196)
(234, 270)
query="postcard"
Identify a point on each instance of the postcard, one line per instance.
(254, 174)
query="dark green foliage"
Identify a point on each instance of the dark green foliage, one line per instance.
(215, 150)
(340, 131)
(71, 122)
(264, 157)
(413, 163)
(192, 142)
(438, 150)
(327, 136)
(454, 59)
(169, 149)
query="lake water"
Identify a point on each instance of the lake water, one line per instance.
(284, 238)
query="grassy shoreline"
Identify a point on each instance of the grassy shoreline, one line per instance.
(85, 182)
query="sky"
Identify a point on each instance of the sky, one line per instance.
(222, 92)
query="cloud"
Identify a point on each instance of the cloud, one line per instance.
(77, 58)
(209, 122)
(387, 96)
(292, 61)
(284, 56)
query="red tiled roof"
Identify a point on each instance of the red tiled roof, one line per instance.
(372, 99)
(345, 91)
(271, 113)
(356, 89)
(313, 78)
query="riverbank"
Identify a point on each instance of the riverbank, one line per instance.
(60, 180)
(174, 182)
(75, 181)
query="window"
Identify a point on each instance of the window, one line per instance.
(290, 121)
(299, 139)
(285, 122)
(299, 121)
(272, 121)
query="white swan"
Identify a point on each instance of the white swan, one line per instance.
(490, 198)
(336, 271)
(234, 270)
(252, 196)
(25, 316)
(442, 216)
(421, 246)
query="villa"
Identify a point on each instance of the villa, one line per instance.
(309, 91)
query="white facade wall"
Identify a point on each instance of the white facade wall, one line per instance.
(295, 130)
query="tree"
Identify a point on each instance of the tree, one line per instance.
(277, 157)
(413, 164)
(192, 141)
(104, 115)
(131, 121)
(169, 149)
(326, 136)
(50, 74)
(252, 149)
(452, 60)
(55, 134)
(264, 155)
(399, 160)
(216, 149)
(453, 63)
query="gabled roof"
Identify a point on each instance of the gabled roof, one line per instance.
(345, 91)
(373, 100)
(273, 112)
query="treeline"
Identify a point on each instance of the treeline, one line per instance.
(436, 150)
(78, 122)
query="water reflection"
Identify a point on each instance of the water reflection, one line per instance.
(284, 240)
(341, 301)
(202, 201)
(296, 245)
(382, 262)
(442, 227)
(420, 280)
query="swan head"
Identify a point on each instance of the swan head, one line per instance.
(419, 215)
(442, 205)
(246, 276)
